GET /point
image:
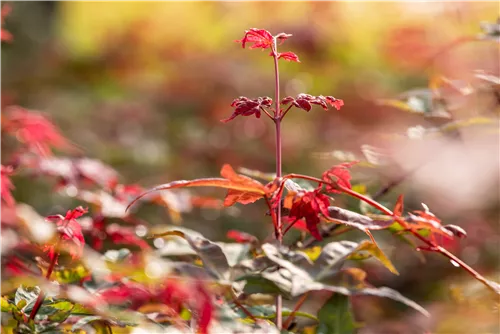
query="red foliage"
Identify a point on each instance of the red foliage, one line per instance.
(247, 107)
(240, 237)
(309, 205)
(290, 56)
(205, 307)
(70, 234)
(35, 130)
(340, 175)
(121, 235)
(7, 185)
(237, 196)
(4, 34)
(305, 101)
(132, 293)
(259, 37)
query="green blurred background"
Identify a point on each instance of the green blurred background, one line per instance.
(142, 86)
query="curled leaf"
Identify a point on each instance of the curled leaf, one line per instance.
(246, 107)
(290, 56)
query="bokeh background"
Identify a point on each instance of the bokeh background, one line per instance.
(142, 86)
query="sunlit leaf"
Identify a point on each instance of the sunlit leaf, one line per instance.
(375, 251)
(235, 182)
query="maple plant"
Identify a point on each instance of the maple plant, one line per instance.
(100, 268)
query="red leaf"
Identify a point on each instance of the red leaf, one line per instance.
(427, 220)
(35, 130)
(304, 101)
(236, 196)
(7, 185)
(131, 293)
(4, 34)
(247, 107)
(205, 308)
(121, 235)
(340, 175)
(309, 205)
(70, 234)
(174, 295)
(259, 37)
(233, 181)
(290, 56)
(97, 172)
(241, 237)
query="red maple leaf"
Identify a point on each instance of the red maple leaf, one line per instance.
(240, 237)
(309, 205)
(131, 293)
(70, 234)
(35, 130)
(121, 235)
(290, 56)
(4, 34)
(247, 107)
(305, 101)
(340, 175)
(7, 185)
(259, 37)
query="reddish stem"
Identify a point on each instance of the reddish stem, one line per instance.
(41, 296)
(267, 113)
(432, 245)
(295, 309)
(277, 122)
(284, 113)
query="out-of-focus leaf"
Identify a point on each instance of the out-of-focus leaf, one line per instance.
(335, 316)
(85, 321)
(340, 175)
(375, 251)
(6, 306)
(418, 101)
(116, 256)
(71, 275)
(332, 258)
(26, 296)
(356, 220)
(212, 255)
(292, 281)
(490, 30)
(269, 312)
(241, 237)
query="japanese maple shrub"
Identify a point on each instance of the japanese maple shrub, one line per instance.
(289, 273)
(78, 282)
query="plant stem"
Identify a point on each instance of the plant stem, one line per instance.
(277, 122)
(301, 301)
(41, 296)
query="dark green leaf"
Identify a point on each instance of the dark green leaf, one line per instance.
(335, 316)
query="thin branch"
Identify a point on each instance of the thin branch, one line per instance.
(284, 113)
(266, 112)
(295, 309)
